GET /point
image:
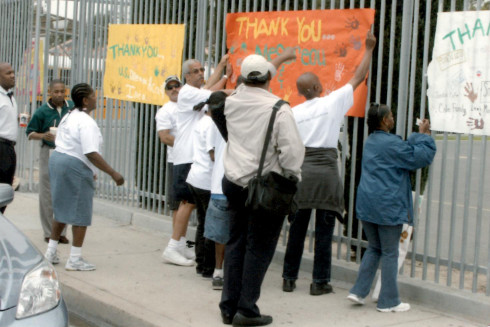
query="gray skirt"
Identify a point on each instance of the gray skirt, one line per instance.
(320, 186)
(72, 189)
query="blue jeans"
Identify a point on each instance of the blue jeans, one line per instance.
(383, 245)
(324, 227)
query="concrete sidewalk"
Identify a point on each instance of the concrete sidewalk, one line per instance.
(133, 287)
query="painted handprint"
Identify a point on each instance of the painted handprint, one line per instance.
(356, 42)
(470, 93)
(352, 23)
(329, 88)
(475, 123)
(287, 94)
(341, 50)
(339, 70)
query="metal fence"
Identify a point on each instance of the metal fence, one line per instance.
(451, 240)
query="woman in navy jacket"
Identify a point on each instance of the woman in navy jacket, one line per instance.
(384, 201)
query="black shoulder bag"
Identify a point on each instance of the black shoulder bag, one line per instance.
(271, 192)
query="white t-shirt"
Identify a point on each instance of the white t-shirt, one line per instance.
(319, 119)
(219, 144)
(202, 165)
(78, 135)
(8, 116)
(165, 119)
(186, 119)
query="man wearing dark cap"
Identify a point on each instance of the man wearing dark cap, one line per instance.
(167, 129)
(46, 116)
(8, 125)
(254, 234)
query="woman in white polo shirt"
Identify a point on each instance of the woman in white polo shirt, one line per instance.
(72, 169)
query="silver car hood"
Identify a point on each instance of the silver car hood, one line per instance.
(17, 257)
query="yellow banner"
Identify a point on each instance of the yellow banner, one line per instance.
(140, 58)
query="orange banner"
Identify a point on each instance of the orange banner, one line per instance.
(331, 45)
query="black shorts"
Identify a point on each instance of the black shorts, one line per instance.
(172, 204)
(181, 190)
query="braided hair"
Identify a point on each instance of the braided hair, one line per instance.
(80, 91)
(376, 113)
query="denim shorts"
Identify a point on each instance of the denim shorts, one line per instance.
(217, 224)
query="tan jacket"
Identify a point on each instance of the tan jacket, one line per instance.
(247, 112)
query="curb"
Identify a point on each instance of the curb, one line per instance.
(455, 302)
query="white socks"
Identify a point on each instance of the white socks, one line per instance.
(52, 246)
(173, 244)
(75, 253)
(218, 273)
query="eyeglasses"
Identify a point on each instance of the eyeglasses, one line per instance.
(173, 86)
(195, 71)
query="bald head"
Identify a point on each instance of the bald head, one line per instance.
(7, 76)
(309, 85)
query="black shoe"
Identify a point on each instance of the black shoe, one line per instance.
(207, 274)
(241, 320)
(227, 319)
(320, 288)
(199, 270)
(288, 285)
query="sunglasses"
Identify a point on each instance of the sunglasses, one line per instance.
(195, 71)
(171, 87)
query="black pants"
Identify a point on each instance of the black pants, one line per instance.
(205, 252)
(248, 253)
(8, 160)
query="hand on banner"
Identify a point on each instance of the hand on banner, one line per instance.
(370, 41)
(475, 123)
(229, 69)
(424, 127)
(224, 61)
(290, 53)
(470, 93)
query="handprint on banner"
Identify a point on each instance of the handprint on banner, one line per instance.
(475, 123)
(356, 42)
(339, 69)
(341, 50)
(287, 94)
(352, 23)
(329, 88)
(470, 93)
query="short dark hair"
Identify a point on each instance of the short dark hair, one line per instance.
(80, 91)
(256, 79)
(55, 81)
(376, 113)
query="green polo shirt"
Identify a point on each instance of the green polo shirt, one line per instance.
(47, 116)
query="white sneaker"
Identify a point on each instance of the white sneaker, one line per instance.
(174, 256)
(79, 265)
(399, 308)
(356, 299)
(52, 257)
(188, 252)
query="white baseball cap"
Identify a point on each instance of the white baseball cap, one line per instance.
(257, 65)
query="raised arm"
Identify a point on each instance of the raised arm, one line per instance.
(288, 54)
(363, 68)
(215, 81)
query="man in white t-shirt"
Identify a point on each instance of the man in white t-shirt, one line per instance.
(167, 129)
(319, 119)
(192, 93)
(8, 125)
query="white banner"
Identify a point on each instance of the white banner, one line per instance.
(459, 74)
